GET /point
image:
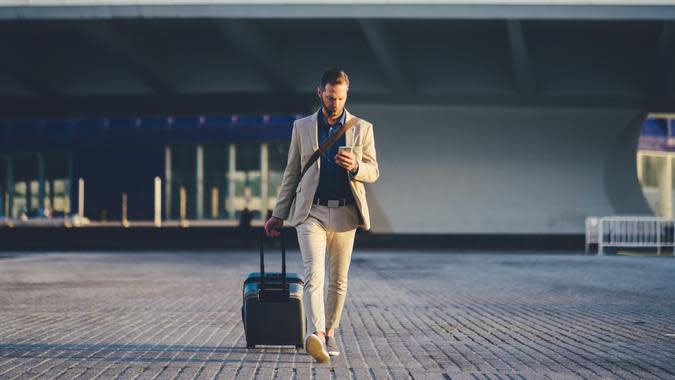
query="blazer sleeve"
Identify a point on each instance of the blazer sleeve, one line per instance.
(289, 181)
(368, 169)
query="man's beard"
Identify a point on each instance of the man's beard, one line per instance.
(333, 112)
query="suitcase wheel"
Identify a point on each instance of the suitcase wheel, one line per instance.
(250, 346)
(299, 346)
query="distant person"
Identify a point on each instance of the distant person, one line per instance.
(330, 203)
(245, 217)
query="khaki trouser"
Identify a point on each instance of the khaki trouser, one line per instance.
(327, 231)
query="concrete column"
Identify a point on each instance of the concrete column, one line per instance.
(168, 178)
(200, 183)
(41, 180)
(264, 179)
(231, 171)
(666, 188)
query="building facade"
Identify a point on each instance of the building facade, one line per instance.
(211, 167)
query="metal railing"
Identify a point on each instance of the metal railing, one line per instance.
(630, 232)
(591, 232)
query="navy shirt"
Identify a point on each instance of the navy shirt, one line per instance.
(333, 178)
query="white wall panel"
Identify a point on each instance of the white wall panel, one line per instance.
(499, 170)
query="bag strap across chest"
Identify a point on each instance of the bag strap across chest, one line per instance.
(326, 145)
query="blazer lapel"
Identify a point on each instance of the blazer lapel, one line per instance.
(349, 133)
(314, 126)
(314, 134)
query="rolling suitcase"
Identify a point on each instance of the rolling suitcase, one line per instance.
(272, 309)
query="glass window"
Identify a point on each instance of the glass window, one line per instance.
(247, 180)
(651, 169)
(60, 193)
(19, 205)
(278, 155)
(57, 183)
(216, 159)
(248, 157)
(183, 176)
(25, 172)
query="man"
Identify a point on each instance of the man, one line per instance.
(326, 206)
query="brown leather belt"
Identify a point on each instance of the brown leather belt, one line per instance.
(333, 202)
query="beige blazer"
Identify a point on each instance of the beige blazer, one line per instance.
(304, 142)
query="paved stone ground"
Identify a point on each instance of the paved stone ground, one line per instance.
(408, 315)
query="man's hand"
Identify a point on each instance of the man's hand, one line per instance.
(273, 225)
(346, 159)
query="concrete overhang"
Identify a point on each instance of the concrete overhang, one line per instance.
(395, 9)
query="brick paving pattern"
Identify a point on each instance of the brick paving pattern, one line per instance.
(408, 315)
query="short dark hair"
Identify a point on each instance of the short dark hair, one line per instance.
(334, 76)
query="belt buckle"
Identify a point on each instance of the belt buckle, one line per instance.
(333, 203)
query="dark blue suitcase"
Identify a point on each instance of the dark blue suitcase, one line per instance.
(272, 309)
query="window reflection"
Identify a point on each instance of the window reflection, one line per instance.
(234, 177)
(35, 185)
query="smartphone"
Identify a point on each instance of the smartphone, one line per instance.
(345, 148)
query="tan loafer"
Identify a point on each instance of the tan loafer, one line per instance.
(316, 348)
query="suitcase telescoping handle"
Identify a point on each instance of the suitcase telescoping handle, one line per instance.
(284, 285)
